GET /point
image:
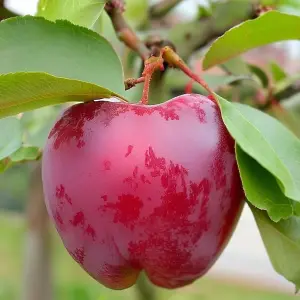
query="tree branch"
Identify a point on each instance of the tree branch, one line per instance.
(115, 9)
(194, 35)
(162, 8)
(37, 282)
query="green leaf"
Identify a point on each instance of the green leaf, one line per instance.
(10, 136)
(282, 242)
(269, 28)
(33, 44)
(261, 188)
(236, 66)
(278, 73)
(25, 153)
(38, 123)
(260, 73)
(80, 12)
(50, 63)
(265, 139)
(20, 92)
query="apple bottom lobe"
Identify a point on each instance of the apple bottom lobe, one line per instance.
(118, 277)
(123, 277)
(169, 271)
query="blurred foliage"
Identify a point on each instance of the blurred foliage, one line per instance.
(37, 124)
(71, 282)
(14, 187)
(137, 12)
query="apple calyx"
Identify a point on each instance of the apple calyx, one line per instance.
(156, 62)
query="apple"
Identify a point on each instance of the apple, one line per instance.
(133, 187)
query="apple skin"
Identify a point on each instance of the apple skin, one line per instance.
(134, 187)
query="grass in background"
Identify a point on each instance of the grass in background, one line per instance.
(72, 283)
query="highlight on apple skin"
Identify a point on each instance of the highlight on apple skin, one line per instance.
(134, 187)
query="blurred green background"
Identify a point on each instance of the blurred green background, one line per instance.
(72, 283)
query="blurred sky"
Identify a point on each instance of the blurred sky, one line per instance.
(22, 6)
(29, 6)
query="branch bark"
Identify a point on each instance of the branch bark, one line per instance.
(191, 36)
(115, 9)
(162, 8)
(37, 282)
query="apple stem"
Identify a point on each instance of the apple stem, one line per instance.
(189, 87)
(152, 64)
(174, 60)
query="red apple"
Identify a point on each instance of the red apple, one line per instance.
(135, 187)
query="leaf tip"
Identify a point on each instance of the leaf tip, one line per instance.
(206, 64)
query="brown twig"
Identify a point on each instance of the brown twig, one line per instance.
(132, 82)
(161, 8)
(191, 36)
(115, 9)
(262, 9)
